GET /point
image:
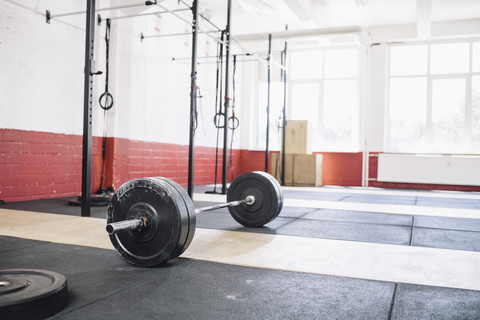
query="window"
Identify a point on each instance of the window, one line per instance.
(433, 99)
(323, 89)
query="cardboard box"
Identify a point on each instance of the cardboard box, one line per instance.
(297, 137)
(300, 169)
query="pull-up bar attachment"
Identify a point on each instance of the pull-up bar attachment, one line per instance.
(49, 16)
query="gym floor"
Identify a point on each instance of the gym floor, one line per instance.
(333, 253)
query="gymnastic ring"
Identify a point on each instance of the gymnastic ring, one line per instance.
(217, 119)
(233, 123)
(108, 101)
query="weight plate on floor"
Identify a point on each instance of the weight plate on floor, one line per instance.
(192, 220)
(268, 198)
(31, 293)
(169, 224)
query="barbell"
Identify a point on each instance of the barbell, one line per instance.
(152, 220)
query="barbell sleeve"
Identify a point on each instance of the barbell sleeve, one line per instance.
(125, 225)
(248, 200)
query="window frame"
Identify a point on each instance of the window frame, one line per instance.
(430, 78)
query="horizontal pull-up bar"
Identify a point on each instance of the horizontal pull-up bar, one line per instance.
(187, 22)
(50, 16)
(174, 34)
(144, 14)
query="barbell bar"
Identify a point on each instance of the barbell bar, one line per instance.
(143, 222)
(152, 220)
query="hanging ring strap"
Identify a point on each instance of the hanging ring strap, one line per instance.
(233, 121)
(106, 99)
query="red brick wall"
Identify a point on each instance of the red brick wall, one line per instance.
(36, 165)
(134, 159)
(342, 169)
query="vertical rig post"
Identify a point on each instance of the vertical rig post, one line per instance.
(193, 99)
(87, 109)
(227, 99)
(267, 136)
(284, 125)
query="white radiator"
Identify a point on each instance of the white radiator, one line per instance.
(434, 169)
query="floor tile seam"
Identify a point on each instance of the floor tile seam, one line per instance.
(27, 247)
(360, 222)
(392, 302)
(409, 244)
(97, 300)
(364, 241)
(411, 231)
(443, 229)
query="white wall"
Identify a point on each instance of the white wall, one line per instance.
(42, 73)
(41, 78)
(41, 67)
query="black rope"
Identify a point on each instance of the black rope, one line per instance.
(217, 119)
(106, 99)
(106, 103)
(233, 119)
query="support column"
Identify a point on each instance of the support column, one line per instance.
(267, 136)
(227, 99)
(87, 109)
(193, 99)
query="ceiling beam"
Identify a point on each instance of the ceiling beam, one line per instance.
(424, 19)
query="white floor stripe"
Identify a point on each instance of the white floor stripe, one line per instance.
(388, 192)
(358, 206)
(427, 266)
(385, 208)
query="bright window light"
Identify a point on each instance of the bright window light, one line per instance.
(434, 109)
(305, 101)
(476, 57)
(306, 64)
(409, 60)
(408, 113)
(476, 113)
(448, 114)
(449, 58)
(340, 114)
(341, 63)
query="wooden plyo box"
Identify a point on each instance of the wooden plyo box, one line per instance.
(300, 169)
(297, 138)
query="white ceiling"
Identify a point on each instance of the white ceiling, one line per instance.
(260, 16)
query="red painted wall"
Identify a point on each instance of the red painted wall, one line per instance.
(342, 169)
(36, 165)
(133, 159)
